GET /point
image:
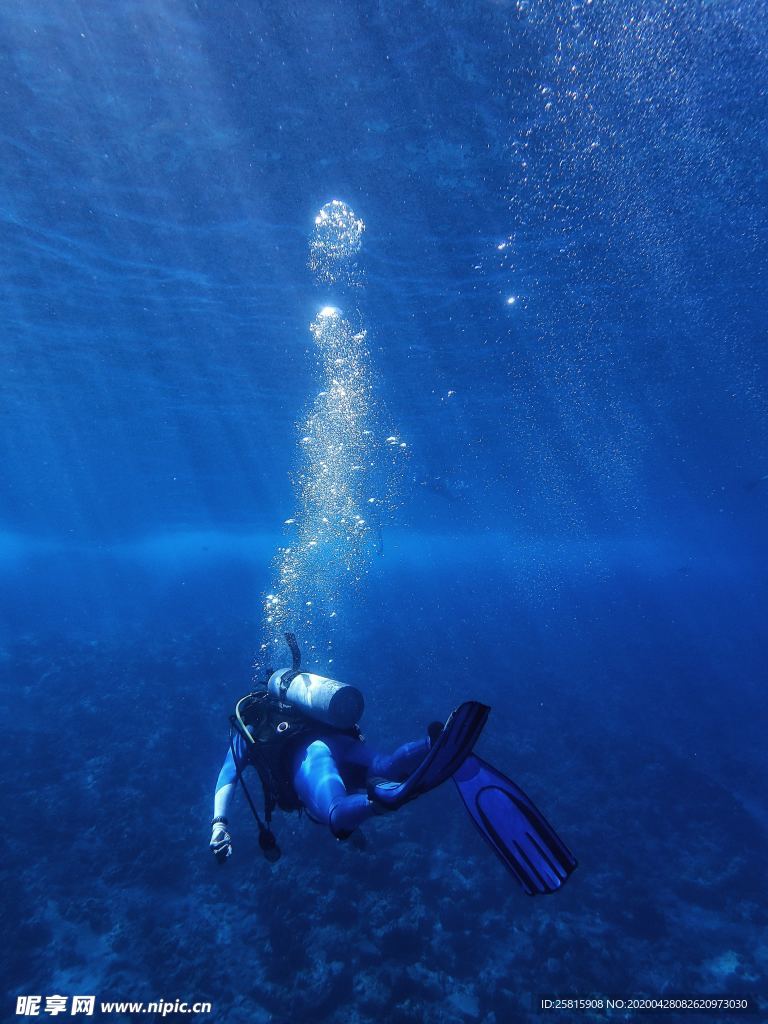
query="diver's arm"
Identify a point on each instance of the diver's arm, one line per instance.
(225, 784)
(221, 841)
(222, 799)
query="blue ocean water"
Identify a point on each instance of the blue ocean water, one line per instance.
(562, 286)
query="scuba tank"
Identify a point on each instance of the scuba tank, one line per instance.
(326, 700)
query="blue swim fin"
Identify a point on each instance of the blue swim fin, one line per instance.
(514, 827)
(446, 755)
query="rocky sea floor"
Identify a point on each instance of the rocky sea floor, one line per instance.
(111, 752)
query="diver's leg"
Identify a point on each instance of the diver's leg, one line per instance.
(321, 790)
(351, 753)
(402, 762)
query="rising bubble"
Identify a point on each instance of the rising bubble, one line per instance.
(335, 244)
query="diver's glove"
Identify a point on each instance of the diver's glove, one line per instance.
(221, 841)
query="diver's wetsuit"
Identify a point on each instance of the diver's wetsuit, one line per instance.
(326, 771)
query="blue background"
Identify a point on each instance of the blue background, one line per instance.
(580, 532)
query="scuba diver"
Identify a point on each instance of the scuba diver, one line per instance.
(299, 732)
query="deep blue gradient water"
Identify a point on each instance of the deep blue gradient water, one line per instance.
(565, 262)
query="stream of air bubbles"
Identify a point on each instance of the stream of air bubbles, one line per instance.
(342, 484)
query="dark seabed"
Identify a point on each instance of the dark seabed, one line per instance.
(562, 282)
